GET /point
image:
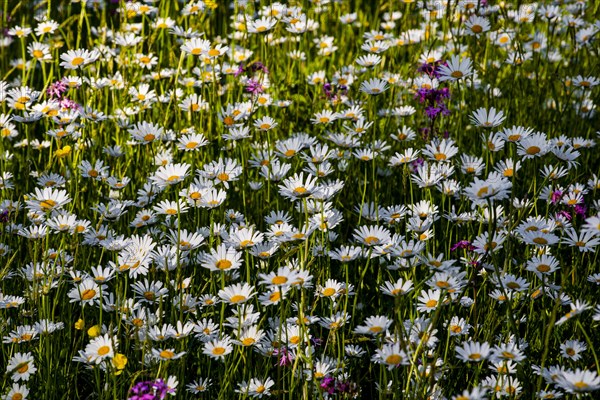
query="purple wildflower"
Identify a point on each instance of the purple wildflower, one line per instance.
(254, 87)
(415, 165)
(432, 112)
(556, 196)
(328, 384)
(57, 89)
(564, 214)
(4, 216)
(240, 70)
(430, 69)
(580, 209)
(285, 357)
(70, 104)
(463, 244)
(150, 390)
(259, 66)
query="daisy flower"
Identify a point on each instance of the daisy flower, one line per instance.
(87, 291)
(166, 354)
(398, 288)
(369, 60)
(324, 117)
(578, 381)
(193, 103)
(477, 25)
(195, 46)
(543, 265)
(21, 367)
(100, 348)
(261, 25)
(374, 325)
(218, 348)
(17, 392)
(533, 145)
(149, 291)
(455, 69)
(572, 349)
(256, 387)
(429, 300)
(441, 151)
(167, 207)
(47, 199)
(487, 118)
(200, 385)
(74, 59)
(170, 174)
(391, 355)
(265, 123)
(584, 241)
(297, 187)
(146, 132)
(372, 235)
(473, 351)
(284, 276)
(250, 336)
(374, 86)
(475, 393)
(237, 293)
(576, 308)
(222, 258)
(40, 51)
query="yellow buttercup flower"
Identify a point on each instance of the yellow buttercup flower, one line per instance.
(212, 4)
(79, 324)
(61, 153)
(119, 362)
(94, 331)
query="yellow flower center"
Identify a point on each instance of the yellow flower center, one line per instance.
(483, 191)
(371, 240)
(167, 354)
(393, 359)
(88, 294)
(223, 176)
(275, 297)
(223, 264)
(23, 368)
(218, 351)
(300, 190)
(237, 298)
(532, 150)
(47, 204)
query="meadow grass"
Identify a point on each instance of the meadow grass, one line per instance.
(322, 199)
